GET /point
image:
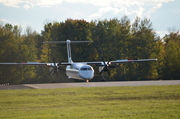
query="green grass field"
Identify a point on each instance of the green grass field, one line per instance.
(135, 102)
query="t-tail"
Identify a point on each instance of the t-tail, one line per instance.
(68, 46)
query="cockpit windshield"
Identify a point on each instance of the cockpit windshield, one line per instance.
(84, 69)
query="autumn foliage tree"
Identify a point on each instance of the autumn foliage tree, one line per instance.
(114, 38)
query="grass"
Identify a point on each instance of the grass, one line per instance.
(137, 102)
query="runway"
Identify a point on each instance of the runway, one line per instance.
(90, 84)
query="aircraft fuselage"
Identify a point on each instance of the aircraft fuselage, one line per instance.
(80, 71)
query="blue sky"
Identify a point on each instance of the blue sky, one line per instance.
(164, 14)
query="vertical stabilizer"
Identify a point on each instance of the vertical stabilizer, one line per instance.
(69, 51)
(68, 46)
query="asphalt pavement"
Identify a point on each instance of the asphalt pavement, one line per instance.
(89, 84)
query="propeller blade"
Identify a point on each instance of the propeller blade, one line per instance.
(51, 71)
(109, 60)
(108, 72)
(55, 68)
(106, 66)
(60, 62)
(101, 71)
(54, 62)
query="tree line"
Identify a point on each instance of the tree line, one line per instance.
(114, 38)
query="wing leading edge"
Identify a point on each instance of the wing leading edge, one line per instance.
(132, 60)
(122, 61)
(28, 63)
(97, 62)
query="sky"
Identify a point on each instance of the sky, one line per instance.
(164, 14)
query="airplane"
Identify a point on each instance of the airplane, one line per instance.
(79, 70)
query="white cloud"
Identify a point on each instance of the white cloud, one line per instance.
(31, 3)
(3, 20)
(176, 11)
(26, 6)
(103, 3)
(125, 7)
(153, 9)
(161, 33)
(102, 11)
(13, 3)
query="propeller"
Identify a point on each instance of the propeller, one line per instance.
(55, 68)
(106, 66)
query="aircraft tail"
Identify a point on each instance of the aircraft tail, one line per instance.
(68, 46)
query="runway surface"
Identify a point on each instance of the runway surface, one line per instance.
(90, 84)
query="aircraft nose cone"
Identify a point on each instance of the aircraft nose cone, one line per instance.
(87, 75)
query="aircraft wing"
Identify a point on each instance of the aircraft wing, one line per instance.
(35, 63)
(29, 63)
(122, 61)
(132, 60)
(96, 63)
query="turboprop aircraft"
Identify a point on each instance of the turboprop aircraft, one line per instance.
(79, 70)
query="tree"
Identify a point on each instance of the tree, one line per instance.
(171, 69)
(114, 38)
(142, 46)
(17, 48)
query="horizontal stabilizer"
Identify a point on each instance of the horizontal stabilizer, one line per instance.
(67, 41)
